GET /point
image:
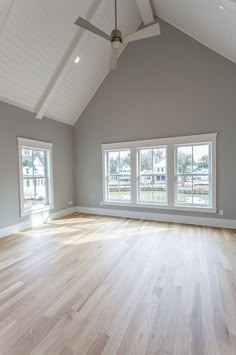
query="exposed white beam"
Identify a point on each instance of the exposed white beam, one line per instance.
(146, 11)
(66, 62)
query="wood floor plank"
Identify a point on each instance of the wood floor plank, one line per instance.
(98, 346)
(99, 285)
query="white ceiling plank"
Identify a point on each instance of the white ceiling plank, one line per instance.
(37, 37)
(5, 8)
(213, 27)
(98, 84)
(64, 66)
(81, 81)
(146, 11)
(227, 4)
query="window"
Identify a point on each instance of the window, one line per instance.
(193, 175)
(35, 172)
(117, 174)
(152, 178)
(175, 173)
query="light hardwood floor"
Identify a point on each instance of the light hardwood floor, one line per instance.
(97, 285)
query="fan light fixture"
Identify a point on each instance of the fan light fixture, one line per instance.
(77, 59)
(116, 38)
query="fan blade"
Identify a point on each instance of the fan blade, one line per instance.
(146, 32)
(114, 58)
(90, 27)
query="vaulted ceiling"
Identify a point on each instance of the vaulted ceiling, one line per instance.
(39, 43)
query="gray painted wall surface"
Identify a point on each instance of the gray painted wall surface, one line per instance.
(164, 87)
(17, 122)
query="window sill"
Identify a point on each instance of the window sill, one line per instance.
(36, 211)
(158, 207)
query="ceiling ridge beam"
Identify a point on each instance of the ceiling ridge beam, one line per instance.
(146, 11)
(64, 65)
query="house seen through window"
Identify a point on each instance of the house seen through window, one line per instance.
(171, 173)
(35, 176)
(118, 177)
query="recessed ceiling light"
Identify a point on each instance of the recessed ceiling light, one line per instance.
(77, 59)
(221, 7)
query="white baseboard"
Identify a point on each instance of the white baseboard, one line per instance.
(39, 219)
(182, 219)
(35, 220)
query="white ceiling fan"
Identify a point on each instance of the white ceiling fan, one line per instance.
(116, 38)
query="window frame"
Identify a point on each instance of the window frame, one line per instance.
(192, 174)
(139, 175)
(106, 176)
(170, 143)
(24, 143)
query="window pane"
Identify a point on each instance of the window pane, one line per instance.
(184, 159)
(195, 189)
(184, 189)
(159, 160)
(152, 188)
(145, 157)
(27, 162)
(113, 163)
(201, 190)
(119, 188)
(113, 188)
(125, 162)
(35, 193)
(159, 189)
(145, 189)
(28, 187)
(39, 162)
(119, 171)
(36, 178)
(125, 190)
(41, 192)
(201, 159)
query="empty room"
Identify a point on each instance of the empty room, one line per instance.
(118, 177)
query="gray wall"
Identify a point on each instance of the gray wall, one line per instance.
(17, 122)
(164, 87)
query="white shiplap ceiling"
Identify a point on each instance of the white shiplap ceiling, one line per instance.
(39, 42)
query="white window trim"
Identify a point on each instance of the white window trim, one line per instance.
(139, 202)
(176, 204)
(105, 175)
(32, 144)
(170, 143)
